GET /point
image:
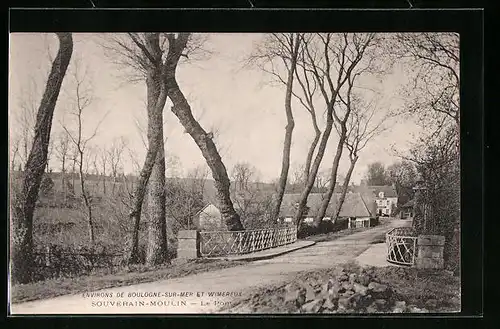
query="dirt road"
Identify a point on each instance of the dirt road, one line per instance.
(207, 292)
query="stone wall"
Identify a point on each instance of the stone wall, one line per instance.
(430, 251)
(188, 244)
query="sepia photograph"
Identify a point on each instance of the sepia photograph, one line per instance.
(234, 173)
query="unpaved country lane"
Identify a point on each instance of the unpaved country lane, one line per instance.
(197, 290)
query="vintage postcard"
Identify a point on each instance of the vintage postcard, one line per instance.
(250, 173)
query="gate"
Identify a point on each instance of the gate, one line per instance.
(401, 246)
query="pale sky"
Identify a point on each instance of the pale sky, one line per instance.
(247, 112)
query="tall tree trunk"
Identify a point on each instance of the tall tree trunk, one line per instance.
(312, 148)
(73, 177)
(301, 209)
(87, 203)
(418, 222)
(63, 178)
(157, 96)
(157, 230)
(345, 186)
(209, 151)
(182, 110)
(333, 179)
(285, 163)
(104, 179)
(22, 239)
(113, 186)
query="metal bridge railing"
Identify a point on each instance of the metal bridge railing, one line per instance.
(222, 243)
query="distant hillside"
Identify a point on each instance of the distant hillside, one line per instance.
(97, 183)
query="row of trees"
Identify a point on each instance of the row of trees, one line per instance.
(324, 71)
(152, 58)
(328, 69)
(25, 201)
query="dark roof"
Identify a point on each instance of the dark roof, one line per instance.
(409, 204)
(353, 206)
(201, 209)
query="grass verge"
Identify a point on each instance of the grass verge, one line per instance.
(133, 275)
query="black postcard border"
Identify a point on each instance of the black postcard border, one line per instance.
(469, 23)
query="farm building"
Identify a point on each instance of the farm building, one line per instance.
(406, 210)
(354, 207)
(209, 218)
(385, 196)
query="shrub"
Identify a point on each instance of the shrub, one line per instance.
(374, 221)
(325, 227)
(46, 186)
(55, 261)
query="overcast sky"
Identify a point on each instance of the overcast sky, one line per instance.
(247, 112)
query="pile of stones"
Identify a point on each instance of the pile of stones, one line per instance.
(347, 292)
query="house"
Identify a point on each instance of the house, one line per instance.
(354, 207)
(385, 197)
(406, 210)
(208, 218)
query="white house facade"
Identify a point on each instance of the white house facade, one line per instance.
(386, 203)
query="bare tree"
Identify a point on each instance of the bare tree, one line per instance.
(433, 64)
(25, 118)
(50, 152)
(62, 150)
(376, 174)
(114, 156)
(403, 175)
(243, 173)
(74, 162)
(254, 204)
(180, 46)
(309, 87)
(83, 99)
(282, 48)
(332, 59)
(101, 167)
(432, 96)
(142, 54)
(297, 176)
(362, 127)
(437, 208)
(14, 151)
(358, 51)
(185, 197)
(24, 205)
(322, 180)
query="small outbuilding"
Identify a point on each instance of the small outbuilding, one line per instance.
(406, 210)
